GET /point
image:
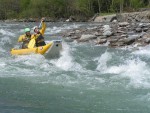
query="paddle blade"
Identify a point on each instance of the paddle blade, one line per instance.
(31, 43)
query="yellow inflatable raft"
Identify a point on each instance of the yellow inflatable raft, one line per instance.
(52, 47)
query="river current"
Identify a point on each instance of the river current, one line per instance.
(84, 79)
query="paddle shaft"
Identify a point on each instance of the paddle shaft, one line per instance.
(40, 24)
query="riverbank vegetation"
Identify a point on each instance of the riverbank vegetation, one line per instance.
(65, 8)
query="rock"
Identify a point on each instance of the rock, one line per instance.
(93, 18)
(141, 25)
(138, 29)
(97, 34)
(123, 24)
(146, 36)
(107, 30)
(108, 18)
(127, 41)
(70, 33)
(107, 33)
(101, 37)
(147, 40)
(78, 31)
(113, 40)
(123, 36)
(71, 19)
(114, 34)
(75, 37)
(134, 37)
(68, 39)
(117, 44)
(130, 39)
(114, 21)
(87, 37)
(145, 29)
(101, 41)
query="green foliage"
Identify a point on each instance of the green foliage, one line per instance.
(65, 8)
(136, 3)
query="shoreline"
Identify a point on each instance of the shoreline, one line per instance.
(112, 34)
(141, 16)
(113, 30)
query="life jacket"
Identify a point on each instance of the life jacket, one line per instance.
(40, 40)
(26, 41)
(27, 38)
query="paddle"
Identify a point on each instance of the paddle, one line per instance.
(32, 41)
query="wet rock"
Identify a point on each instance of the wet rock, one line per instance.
(123, 24)
(101, 41)
(107, 33)
(117, 44)
(120, 31)
(101, 37)
(71, 19)
(87, 37)
(138, 29)
(128, 41)
(68, 39)
(145, 29)
(75, 37)
(129, 17)
(113, 40)
(124, 36)
(108, 18)
(134, 37)
(147, 40)
(107, 30)
(98, 34)
(114, 34)
(70, 33)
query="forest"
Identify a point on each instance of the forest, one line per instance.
(10, 9)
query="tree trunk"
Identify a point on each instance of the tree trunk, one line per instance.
(121, 6)
(99, 6)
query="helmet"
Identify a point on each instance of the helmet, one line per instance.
(35, 27)
(27, 30)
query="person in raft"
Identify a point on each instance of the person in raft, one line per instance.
(39, 34)
(25, 38)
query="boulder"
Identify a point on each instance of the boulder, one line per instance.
(87, 37)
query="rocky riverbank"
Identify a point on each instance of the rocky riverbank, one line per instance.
(127, 29)
(142, 16)
(112, 34)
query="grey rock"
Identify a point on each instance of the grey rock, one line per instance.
(87, 37)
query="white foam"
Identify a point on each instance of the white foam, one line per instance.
(6, 32)
(55, 29)
(135, 70)
(30, 60)
(102, 61)
(2, 50)
(145, 51)
(2, 64)
(5, 40)
(66, 61)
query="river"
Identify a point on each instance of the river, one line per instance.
(84, 79)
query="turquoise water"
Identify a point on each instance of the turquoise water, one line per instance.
(84, 79)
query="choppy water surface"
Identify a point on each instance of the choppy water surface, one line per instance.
(84, 79)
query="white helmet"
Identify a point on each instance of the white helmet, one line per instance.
(35, 27)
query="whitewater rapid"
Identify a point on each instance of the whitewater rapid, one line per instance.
(84, 79)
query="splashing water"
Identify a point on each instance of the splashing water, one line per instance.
(84, 79)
